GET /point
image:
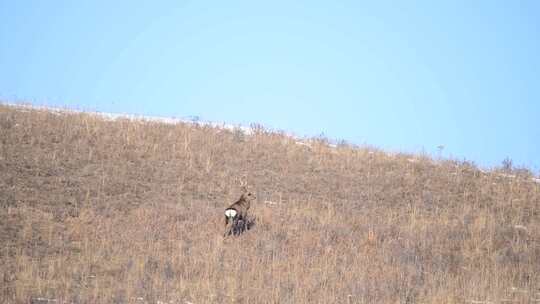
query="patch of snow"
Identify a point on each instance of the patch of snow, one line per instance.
(506, 175)
(392, 154)
(479, 302)
(300, 143)
(515, 289)
(43, 300)
(520, 227)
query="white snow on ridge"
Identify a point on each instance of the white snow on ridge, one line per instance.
(506, 175)
(132, 117)
(301, 143)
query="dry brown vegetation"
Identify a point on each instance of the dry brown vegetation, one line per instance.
(97, 211)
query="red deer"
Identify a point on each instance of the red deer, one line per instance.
(236, 214)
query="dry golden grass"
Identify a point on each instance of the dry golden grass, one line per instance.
(95, 211)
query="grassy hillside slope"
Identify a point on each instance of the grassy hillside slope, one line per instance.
(97, 211)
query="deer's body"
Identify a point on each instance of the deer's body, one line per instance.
(238, 211)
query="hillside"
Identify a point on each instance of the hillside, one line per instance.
(122, 211)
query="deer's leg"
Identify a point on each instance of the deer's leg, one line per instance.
(227, 230)
(234, 226)
(226, 225)
(241, 226)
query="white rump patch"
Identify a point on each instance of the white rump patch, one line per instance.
(230, 213)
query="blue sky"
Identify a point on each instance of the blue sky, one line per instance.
(400, 75)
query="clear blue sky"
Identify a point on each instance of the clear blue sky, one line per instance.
(400, 75)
